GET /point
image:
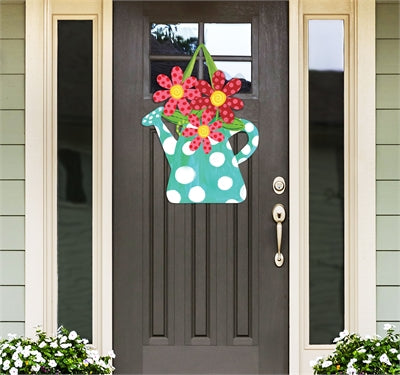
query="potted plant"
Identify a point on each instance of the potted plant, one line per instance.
(65, 353)
(362, 355)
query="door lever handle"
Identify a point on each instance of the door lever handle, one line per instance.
(279, 215)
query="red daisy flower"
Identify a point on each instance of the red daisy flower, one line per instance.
(218, 98)
(177, 92)
(204, 132)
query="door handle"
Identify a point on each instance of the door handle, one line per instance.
(279, 215)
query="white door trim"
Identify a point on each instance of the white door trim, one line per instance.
(360, 299)
(40, 193)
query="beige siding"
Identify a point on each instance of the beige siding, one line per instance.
(388, 163)
(12, 168)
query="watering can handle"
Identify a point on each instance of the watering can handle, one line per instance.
(252, 142)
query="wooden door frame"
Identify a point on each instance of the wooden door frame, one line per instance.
(39, 300)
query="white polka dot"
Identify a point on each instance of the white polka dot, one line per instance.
(151, 118)
(249, 127)
(197, 194)
(185, 175)
(241, 160)
(173, 196)
(233, 132)
(213, 141)
(228, 146)
(231, 201)
(217, 159)
(234, 162)
(169, 145)
(225, 183)
(246, 150)
(186, 150)
(243, 192)
(255, 141)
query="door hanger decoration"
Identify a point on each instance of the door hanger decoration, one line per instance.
(204, 168)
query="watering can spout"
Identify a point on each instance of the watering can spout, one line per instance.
(167, 140)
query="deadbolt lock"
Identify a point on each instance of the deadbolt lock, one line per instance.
(279, 185)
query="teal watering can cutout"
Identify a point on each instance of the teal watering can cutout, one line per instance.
(197, 177)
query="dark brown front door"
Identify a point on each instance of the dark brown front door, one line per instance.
(196, 288)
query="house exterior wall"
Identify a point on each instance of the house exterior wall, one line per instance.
(388, 162)
(12, 167)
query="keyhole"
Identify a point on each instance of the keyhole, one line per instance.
(279, 214)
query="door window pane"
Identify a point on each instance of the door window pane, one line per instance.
(326, 179)
(173, 39)
(228, 39)
(74, 171)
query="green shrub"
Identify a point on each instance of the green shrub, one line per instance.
(66, 353)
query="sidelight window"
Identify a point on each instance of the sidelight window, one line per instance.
(326, 129)
(74, 174)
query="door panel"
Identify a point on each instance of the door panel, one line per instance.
(196, 289)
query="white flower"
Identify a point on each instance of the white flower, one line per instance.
(63, 339)
(367, 337)
(342, 335)
(42, 344)
(58, 354)
(362, 350)
(85, 341)
(65, 346)
(54, 344)
(367, 361)
(326, 364)
(385, 359)
(387, 326)
(398, 357)
(72, 335)
(52, 363)
(351, 371)
(378, 344)
(352, 361)
(15, 356)
(11, 336)
(102, 363)
(1, 360)
(13, 371)
(18, 363)
(111, 354)
(6, 365)
(393, 350)
(35, 368)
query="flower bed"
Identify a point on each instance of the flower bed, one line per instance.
(66, 353)
(362, 355)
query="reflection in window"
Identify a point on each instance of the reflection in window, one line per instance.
(174, 39)
(174, 44)
(326, 179)
(74, 171)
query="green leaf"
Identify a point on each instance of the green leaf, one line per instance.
(236, 125)
(189, 68)
(177, 118)
(212, 68)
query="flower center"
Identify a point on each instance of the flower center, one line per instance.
(203, 131)
(176, 91)
(218, 98)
